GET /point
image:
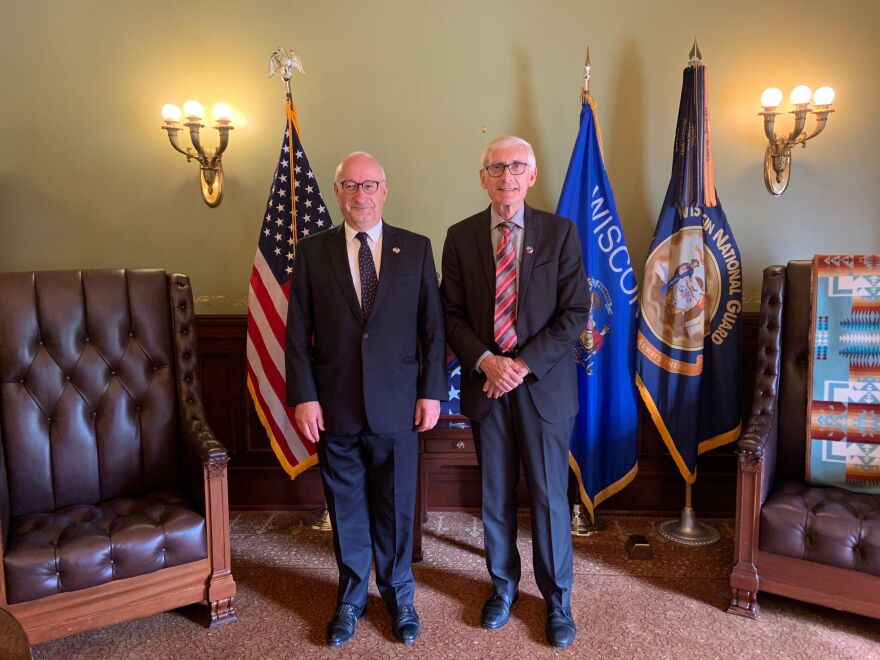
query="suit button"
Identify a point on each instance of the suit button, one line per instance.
(366, 335)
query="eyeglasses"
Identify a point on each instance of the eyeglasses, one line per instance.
(351, 187)
(497, 169)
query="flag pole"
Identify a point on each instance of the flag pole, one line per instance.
(687, 530)
(581, 524)
(284, 60)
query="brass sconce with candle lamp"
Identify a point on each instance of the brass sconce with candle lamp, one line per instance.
(777, 159)
(210, 159)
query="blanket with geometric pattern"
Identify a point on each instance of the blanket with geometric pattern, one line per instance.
(843, 409)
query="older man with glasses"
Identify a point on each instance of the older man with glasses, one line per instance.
(366, 370)
(516, 298)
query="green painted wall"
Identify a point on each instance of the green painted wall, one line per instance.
(87, 178)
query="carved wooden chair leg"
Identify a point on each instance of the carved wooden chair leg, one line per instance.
(744, 603)
(223, 612)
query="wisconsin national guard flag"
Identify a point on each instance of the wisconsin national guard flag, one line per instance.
(603, 442)
(688, 360)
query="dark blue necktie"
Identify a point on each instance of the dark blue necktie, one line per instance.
(369, 281)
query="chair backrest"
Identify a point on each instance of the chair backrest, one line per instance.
(88, 395)
(792, 419)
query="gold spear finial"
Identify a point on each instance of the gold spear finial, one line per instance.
(696, 57)
(587, 75)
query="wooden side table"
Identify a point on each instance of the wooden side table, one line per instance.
(14, 643)
(449, 443)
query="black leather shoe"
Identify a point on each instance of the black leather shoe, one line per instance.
(406, 624)
(496, 612)
(560, 628)
(343, 624)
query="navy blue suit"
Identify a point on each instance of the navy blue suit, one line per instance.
(532, 423)
(367, 374)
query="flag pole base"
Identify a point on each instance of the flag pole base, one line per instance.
(581, 524)
(319, 519)
(686, 530)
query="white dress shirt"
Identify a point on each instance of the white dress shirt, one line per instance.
(353, 245)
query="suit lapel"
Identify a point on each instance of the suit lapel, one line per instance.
(338, 254)
(388, 265)
(483, 241)
(529, 248)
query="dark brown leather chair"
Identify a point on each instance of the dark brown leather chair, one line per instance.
(113, 500)
(820, 545)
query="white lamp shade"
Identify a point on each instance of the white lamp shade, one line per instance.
(222, 111)
(771, 97)
(823, 96)
(170, 112)
(193, 109)
(801, 95)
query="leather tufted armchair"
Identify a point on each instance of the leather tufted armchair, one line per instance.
(820, 545)
(113, 500)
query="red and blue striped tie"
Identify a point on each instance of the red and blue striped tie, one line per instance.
(505, 291)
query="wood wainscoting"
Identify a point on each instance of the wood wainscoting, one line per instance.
(257, 482)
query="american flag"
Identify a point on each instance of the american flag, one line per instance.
(294, 210)
(453, 377)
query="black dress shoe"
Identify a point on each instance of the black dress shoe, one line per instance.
(343, 624)
(560, 628)
(406, 624)
(496, 612)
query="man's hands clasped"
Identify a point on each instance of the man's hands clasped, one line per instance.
(503, 374)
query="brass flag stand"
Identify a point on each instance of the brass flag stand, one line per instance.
(687, 530)
(581, 525)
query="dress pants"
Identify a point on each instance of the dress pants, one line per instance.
(370, 487)
(513, 432)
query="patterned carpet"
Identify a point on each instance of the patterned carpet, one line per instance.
(672, 606)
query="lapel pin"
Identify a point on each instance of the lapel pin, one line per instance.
(530, 249)
(395, 250)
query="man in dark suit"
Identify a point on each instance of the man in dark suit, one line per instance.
(366, 369)
(516, 298)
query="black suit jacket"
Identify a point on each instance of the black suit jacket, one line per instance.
(365, 373)
(552, 308)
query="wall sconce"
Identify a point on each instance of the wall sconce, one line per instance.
(777, 159)
(210, 163)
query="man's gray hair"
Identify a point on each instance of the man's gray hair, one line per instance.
(507, 141)
(362, 154)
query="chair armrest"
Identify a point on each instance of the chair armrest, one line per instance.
(204, 457)
(757, 445)
(199, 436)
(201, 448)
